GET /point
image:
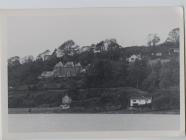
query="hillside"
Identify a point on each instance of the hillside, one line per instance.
(98, 77)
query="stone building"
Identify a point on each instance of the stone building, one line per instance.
(63, 70)
(68, 70)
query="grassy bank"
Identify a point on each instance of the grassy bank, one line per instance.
(93, 100)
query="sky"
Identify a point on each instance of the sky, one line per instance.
(33, 34)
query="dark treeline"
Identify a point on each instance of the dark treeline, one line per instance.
(107, 69)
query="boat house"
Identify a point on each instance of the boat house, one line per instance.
(137, 101)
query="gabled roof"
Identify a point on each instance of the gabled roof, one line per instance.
(78, 64)
(69, 64)
(59, 64)
(141, 97)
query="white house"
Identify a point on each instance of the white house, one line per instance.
(133, 58)
(140, 101)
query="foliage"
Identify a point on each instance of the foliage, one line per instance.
(174, 36)
(153, 79)
(169, 75)
(88, 98)
(166, 99)
(153, 39)
(137, 72)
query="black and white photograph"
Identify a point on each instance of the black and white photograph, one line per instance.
(95, 69)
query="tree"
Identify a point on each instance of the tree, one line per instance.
(27, 59)
(14, 61)
(137, 72)
(69, 48)
(107, 45)
(169, 75)
(86, 58)
(174, 36)
(153, 79)
(153, 39)
(103, 70)
(100, 72)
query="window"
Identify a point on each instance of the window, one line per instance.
(68, 74)
(134, 100)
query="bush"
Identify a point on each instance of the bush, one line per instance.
(166, 99)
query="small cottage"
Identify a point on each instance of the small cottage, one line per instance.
(137, 101)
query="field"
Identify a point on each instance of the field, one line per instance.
(86, 122)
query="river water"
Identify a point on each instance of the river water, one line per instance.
(91, 122)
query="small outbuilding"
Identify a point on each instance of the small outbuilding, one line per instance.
(66, 101)
(137, 101)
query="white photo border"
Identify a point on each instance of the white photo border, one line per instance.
(102, 134)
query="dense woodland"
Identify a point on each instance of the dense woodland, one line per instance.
(109, 79)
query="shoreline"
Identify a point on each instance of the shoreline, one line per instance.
(57, 110)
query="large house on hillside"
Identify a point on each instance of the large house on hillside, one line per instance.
(62, 70)
(133, 58)
(68, 70)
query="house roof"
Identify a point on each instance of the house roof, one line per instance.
(141, 97)
(78, 64)
(135, 55)
(69, 64)
(59, 64)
